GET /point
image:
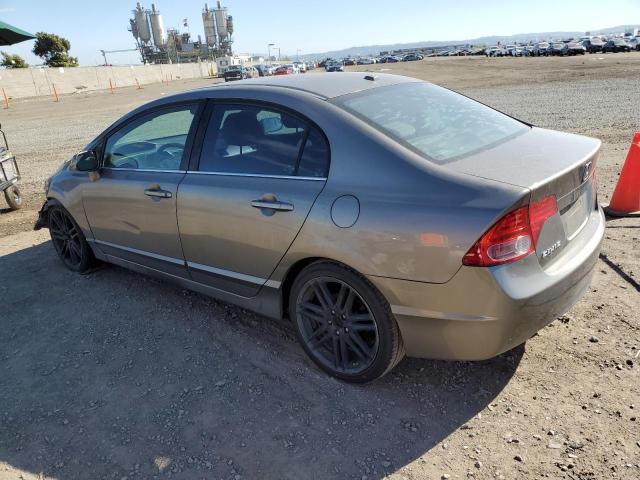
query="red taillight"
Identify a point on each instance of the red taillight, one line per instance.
(539, 212)
(513, 237)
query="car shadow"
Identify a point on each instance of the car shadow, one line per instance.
(113, 374)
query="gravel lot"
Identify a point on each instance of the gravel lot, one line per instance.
(114, 375)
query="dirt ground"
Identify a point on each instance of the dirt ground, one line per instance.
(117, 376)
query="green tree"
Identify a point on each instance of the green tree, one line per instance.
(54, 50)
(12, 61)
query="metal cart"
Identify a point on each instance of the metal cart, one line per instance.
(9, 175)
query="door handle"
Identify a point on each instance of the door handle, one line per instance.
(157, 192)
(272, 205)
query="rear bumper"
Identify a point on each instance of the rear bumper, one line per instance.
(482, 312)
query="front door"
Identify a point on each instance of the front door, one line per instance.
(131, 208)
(259, 173)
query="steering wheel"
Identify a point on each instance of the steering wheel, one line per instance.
(167, 146)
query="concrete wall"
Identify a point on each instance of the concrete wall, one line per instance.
(31, 82)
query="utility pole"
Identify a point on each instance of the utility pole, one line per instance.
(269, 51)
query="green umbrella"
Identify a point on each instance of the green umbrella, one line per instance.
(10, 34)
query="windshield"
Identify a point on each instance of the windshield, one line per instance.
(437, 123)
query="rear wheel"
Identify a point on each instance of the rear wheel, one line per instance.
(344, 323)
(68, 240)
(13, 197)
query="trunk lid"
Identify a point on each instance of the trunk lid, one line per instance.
(547, 163)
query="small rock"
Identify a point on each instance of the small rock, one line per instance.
(518, 458)
(445, 476)
(220, 383)
(478, 464)
(554, 446)
(386, 464)
(593, 339)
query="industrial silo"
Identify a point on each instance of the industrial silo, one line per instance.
(221, 20)
(209, 27)
(142, 25)
(157, 27)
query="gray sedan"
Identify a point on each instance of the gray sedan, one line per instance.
(383, 215)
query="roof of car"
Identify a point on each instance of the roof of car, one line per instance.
(327, 85)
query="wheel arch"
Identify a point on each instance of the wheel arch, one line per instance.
(294, 271)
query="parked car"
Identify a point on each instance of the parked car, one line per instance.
(615, 46)
(389, 59)
(264, 70)
(542, 49)
(349, 62)
(412, 57)
(559, 49)
(576, 48)
(334, 67)
(496, 51)
(321, 201)
(284, 70)
(593, 45)
(239, 72)
(301, 66)
(366, 61)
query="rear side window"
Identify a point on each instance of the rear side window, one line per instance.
(314, 161)
(437, 123)
(255, 140)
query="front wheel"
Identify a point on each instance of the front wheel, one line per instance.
(344, 323)
(13, 197)
(69, 241)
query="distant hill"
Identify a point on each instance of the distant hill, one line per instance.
(490, 40)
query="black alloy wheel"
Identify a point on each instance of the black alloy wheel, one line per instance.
(344, 324)
(68, 240)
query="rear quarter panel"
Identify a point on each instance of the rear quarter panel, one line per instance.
(416, 219)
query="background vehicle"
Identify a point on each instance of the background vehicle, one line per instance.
(349, 62)
(412, 57)
(559, 49)
(284, 70)
(496, 51)
(264, 70)
(575, 48)
(301, 66)
(334, 66)
(366, 61)
(593, 45)
(615, 46)
(295, 68)
(542, 49)
(9, 175)
(364, 252)
(239, 72)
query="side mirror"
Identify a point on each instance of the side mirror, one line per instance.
(87, 162)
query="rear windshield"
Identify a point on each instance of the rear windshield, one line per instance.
(435, 122)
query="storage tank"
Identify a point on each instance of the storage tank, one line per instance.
(157, 27)
(230, 24)
(209, 26)
(142, 25)
(221, 20)
(133, 28)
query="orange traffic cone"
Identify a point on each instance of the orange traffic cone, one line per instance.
(625, 200)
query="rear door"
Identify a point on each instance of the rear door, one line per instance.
(258, 171)
(131, 207)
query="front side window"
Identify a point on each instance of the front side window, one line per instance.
(251, 139)
(439, 124)
(155, 141)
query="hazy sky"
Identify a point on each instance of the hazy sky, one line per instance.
(309, 25)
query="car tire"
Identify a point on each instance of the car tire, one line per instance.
(13, 197)
(69, 241)
(344, 324)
